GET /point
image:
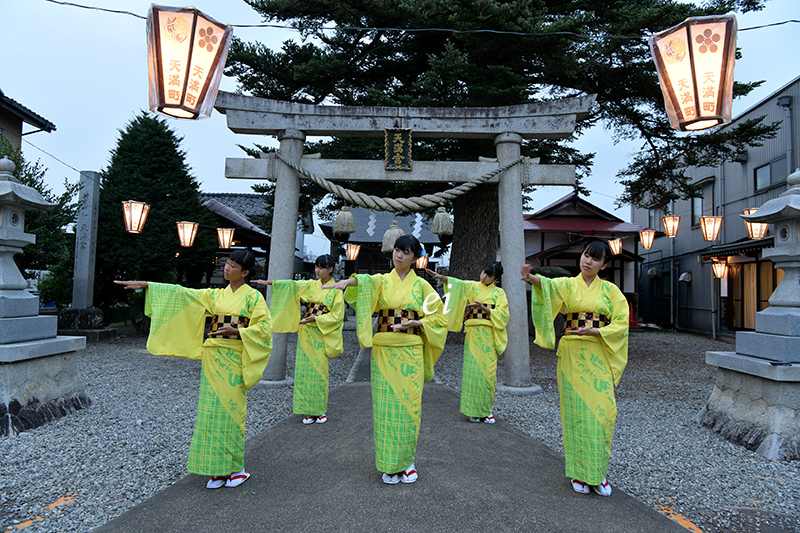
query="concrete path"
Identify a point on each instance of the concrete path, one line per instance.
(322, 477)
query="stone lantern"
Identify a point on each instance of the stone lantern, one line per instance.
(756, 400)
(39, 380)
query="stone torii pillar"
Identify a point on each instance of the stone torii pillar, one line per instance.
(507, 126)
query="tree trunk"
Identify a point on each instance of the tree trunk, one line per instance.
(476, 233)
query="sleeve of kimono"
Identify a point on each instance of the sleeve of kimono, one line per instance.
(177, 319)
(285, 302)
(457, 300)
(256, 339)
(499, 319)
(364, 298)
(330, 324)
(615, 335)
(546, 302)
(434, 329)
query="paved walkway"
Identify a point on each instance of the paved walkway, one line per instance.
(322, 477)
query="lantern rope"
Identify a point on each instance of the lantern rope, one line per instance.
(397, 205)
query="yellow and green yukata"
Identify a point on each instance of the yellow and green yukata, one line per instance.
(400, 361)
(485, 340)
(588, 368)
(316, 341)
(229, 366)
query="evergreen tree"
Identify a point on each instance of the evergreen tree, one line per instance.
(548, 49)
(148, 165)
(53, 246)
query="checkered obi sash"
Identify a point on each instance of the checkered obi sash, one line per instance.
(476, 312)
(582, 320)
(220, 321)
(387, 317)
(314, 309)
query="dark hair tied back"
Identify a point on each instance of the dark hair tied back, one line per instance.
(409, 243)
(325, 261)
(600, 251)
(245, 259)
(494, 269)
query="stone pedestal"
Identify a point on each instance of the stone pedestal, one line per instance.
(39, 379)
(756, 400)
(755, 403)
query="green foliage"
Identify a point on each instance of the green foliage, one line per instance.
(53, 245)
(148, 165)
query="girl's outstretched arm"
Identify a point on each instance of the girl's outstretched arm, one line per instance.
(533, 279)
(132, 284)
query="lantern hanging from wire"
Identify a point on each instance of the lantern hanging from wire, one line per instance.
(422, 261)
(187, 232)
(710, 226)
(755, 230)
(694, 61)
(225, 237)
(647, 236)
(186, 54)
(135, 214)
(671, 223)
(615, 245)
(352, 251)
(719, 269)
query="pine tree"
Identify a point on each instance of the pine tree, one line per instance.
(148, 165)
(561, 48)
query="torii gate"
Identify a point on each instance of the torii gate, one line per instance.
(508, 126)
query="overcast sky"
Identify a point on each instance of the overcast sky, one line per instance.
(86, 72)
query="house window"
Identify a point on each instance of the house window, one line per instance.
(771, 173)
(703, 206)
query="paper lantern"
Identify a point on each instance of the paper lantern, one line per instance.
(225, 237)
(135, 214)
(694, 61)
(647, 236)
(710, 227)
(615, 245)
(186, 233)
(352, 251)
(719, 269)
(755, 230)
(186, 54)
(671, 223)
(422, 261)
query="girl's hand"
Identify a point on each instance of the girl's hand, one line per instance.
(436, 275)
(312, 318)
(481, 306)
(261, 282)
(225, 330)
(406, 325)
(341, 284)
(592, 332)
(132, 284)
(533, 279)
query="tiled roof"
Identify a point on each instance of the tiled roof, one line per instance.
(26, 114)
(248, 204)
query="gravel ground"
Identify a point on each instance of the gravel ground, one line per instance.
(77, 473)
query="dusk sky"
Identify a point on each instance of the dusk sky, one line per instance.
(86, 71)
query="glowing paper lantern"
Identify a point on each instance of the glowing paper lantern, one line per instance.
(647, 236)
(353, 251)
(422, 261)
(755, 230)
(186, 233)
(694, 61)
(710, 227)
(225, 237)
(615, 245)
(719, 269)
(135, 215)
(671, 223)
(186, 54)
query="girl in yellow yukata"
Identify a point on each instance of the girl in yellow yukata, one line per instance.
(319, 337)
(591, 357)
(410, 338)
(482, 309)
(233, 356)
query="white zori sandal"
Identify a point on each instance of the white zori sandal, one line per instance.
(216, 482)
(603, 489)
(580, 487)
(237, 478)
